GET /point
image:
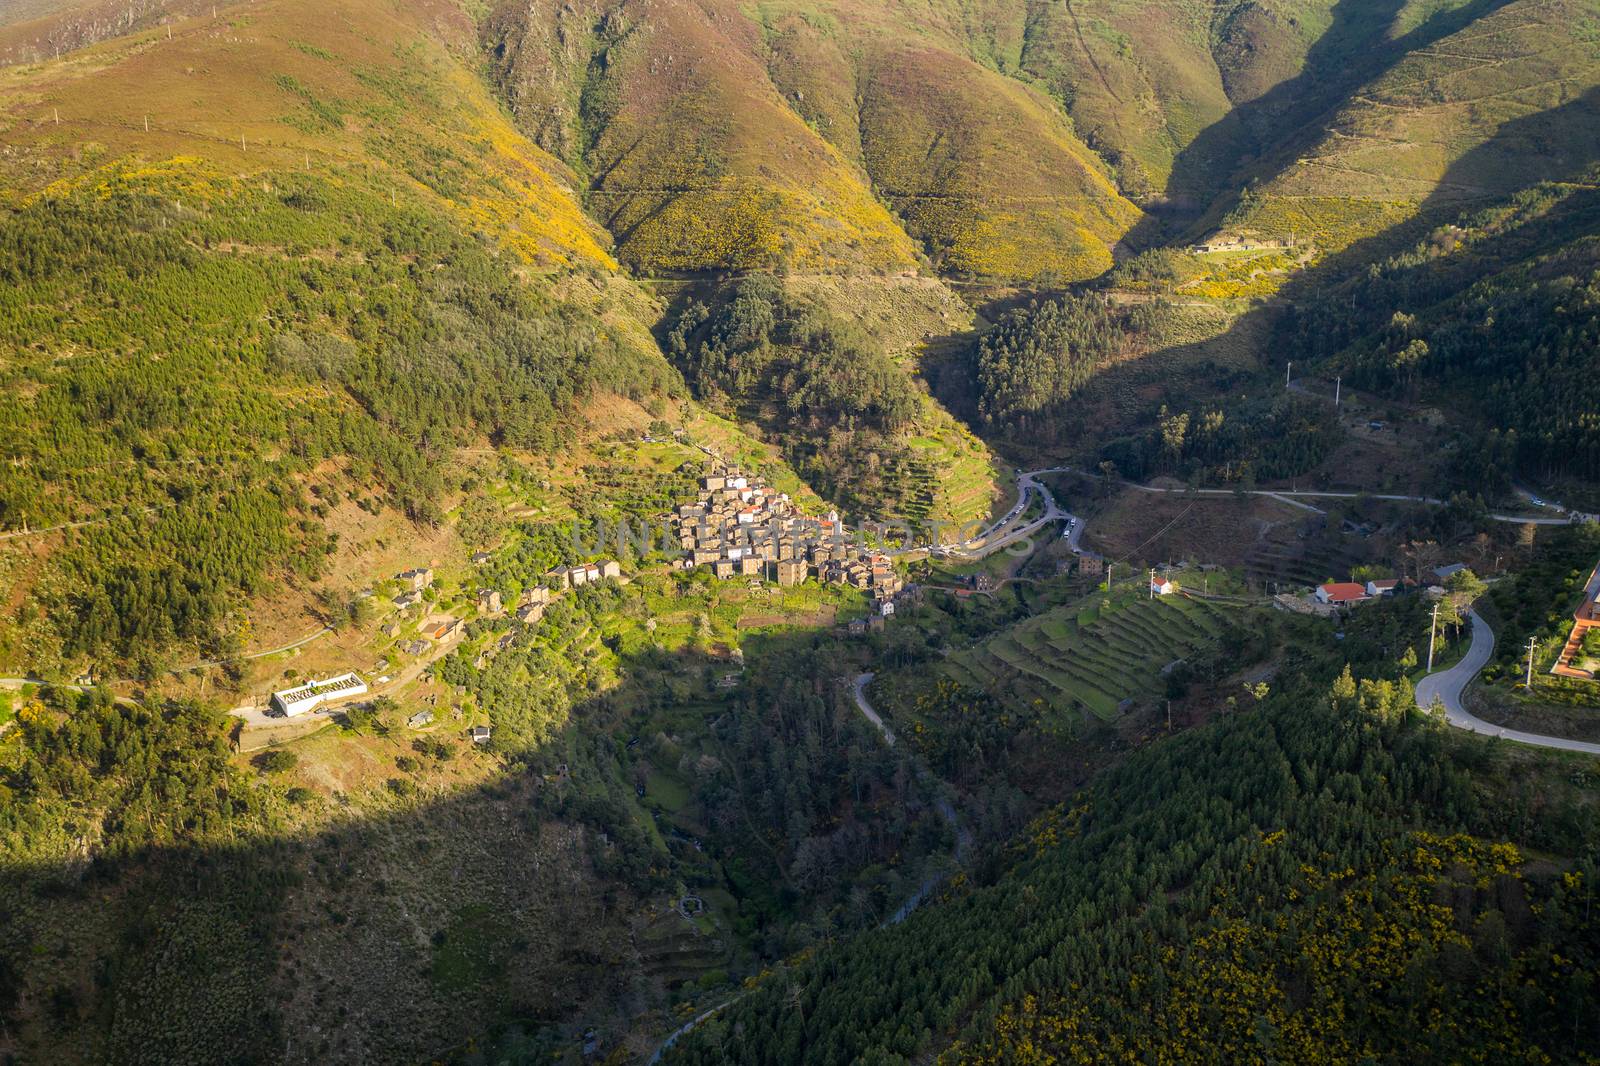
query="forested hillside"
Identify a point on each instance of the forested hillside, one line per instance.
(252, 295)
(332, 331)
(843, 409)
(1492, 310)
(1319, 879)
(1030, 365)
(254, 336)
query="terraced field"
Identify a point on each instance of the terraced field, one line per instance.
(1288, 562)
(676, 949)
(1088, 657)
(955, 475)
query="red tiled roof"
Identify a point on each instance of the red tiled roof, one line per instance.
(1345, 590)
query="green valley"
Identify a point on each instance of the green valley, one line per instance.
(793, 531)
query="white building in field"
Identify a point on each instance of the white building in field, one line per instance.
(313, 694)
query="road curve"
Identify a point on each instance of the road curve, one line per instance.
(1447, 686)
(859, 689)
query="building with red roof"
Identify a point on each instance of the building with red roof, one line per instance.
(1341, 592)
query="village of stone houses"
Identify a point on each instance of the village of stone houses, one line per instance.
(739, 532)
(738, 528)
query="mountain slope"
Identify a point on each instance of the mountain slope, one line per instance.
(284, 85)
(1320, 879)
(982, 168)
(714, 141)
(328, 263)
(1471, 115)
(1187, 98)
(694, 161)
(1492, 314)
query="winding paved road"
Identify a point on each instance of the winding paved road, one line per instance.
(1003, 532)
(859, 689)
(1447, 686)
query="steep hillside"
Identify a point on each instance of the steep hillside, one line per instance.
(1472, 105)
(1011, 141)
(1187, 99)
(1492, 314)
(36, 30)
(1139, 87)
(837, 392)
(981, 167)
(694, 161)
(717, 139)
(297, 296)
(1320, 879)
(288, 85)
(327, 263)
(392, 272)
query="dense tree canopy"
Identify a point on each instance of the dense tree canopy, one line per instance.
(1037, 357)
(1313, 881)
(1502, 309)
(833, 398)
(243, 336)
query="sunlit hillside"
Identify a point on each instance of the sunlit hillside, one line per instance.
(290, 85)
(718, 137)
(1467, 110)
(263, 257)
(809, 532)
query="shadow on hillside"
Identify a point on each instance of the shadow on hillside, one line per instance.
(1555, 135)
(1128, 394)
(1125, 397)
(400, 934)
(1259, 138)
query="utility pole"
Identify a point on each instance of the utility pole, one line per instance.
(1109, 567)
(1532, 642)
(1287, 380)
(1338, 385)
(1432, 631)
(1152, 582)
